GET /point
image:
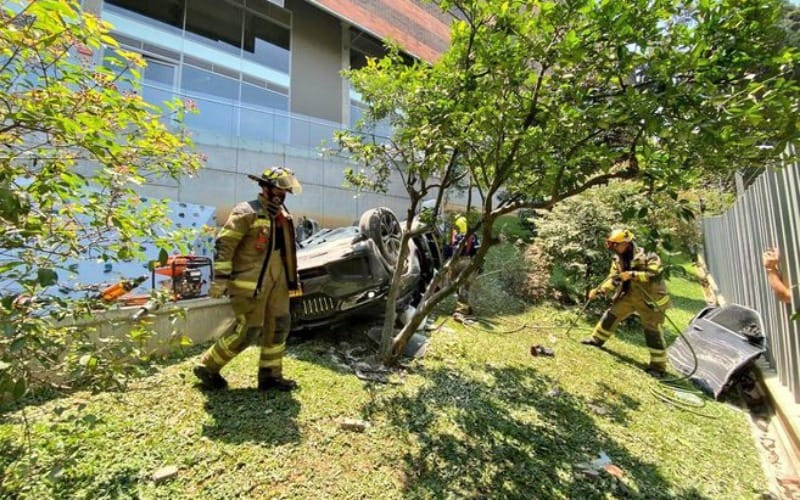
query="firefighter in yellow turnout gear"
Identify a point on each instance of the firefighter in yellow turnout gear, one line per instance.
(637, 278)
(256, 265)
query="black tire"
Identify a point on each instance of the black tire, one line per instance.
(382, 227)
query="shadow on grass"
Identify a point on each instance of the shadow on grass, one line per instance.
(41, 395)
(513, 437)
(249, 415)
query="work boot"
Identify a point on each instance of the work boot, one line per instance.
(208, 379)
(267, 382)
(592, 342)
(655, 371)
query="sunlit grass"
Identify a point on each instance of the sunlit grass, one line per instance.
(477, 417)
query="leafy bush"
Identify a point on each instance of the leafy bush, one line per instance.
(75, 149)
(568, 256)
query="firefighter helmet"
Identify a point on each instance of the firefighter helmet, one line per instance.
(279, 177)
(460, 224)
(619, 236)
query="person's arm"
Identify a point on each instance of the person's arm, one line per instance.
(228, 239)
(653, 268)
(770, 259)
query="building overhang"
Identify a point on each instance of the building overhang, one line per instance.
(413, 27)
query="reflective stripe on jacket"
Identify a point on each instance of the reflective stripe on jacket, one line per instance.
(244, 243)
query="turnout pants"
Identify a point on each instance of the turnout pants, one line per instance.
(462, 294)
(652, 317)
(263, 320)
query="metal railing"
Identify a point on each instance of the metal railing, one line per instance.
(765, 216)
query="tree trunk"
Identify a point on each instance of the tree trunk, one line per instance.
(391, 353)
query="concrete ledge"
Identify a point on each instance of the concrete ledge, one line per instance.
(787, 411)
(200, 320)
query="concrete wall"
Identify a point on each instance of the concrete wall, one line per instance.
(223, 183)
(316, 81)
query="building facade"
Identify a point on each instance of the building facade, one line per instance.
(266, 79)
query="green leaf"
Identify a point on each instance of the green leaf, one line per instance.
(46, 277)
(163, 256)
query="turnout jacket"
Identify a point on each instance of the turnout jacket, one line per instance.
(245, 244)
(647, 274)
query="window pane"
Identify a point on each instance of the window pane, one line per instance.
(266, 43)
(254, 96)
(215, 23)
(159, 79)
(214, 96)
(168, 12)
(159, 72)
(207, 84)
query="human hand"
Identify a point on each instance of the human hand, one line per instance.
(217, 289)
(273, 207)
(594, 292)
(770, 259)
(627, 275)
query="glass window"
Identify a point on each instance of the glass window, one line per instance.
(363, 46)
(255, 96)
(259, 123)
(215, 23)
(168, 12)
(209, 84)
(266, 43)
(159, 79)
(214, 96)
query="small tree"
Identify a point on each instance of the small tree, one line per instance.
(546, 99)
(60, 116)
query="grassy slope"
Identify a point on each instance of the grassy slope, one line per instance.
(477, 417)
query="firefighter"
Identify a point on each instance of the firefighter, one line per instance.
(637, 278)
(460, 262)
(256, 266)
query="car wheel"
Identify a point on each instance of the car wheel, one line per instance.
(382, 227)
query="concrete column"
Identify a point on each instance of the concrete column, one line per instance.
(345, 81)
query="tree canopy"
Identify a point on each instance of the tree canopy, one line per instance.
(537, 101)
(73, 149)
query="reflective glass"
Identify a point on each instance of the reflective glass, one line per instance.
(168, 13)
(159, 79)
(266, 43)
(216, 24)
(256, 96)
(215, 96)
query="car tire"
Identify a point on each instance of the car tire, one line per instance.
(382, 227)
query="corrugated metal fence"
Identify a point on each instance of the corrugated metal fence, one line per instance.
(765, 216)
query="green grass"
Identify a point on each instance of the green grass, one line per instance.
(477, 417)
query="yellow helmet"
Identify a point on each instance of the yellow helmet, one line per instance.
(461, 224)
(619, 236)
(279, 177)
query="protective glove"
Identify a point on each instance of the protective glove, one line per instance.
(627, 275)
(273, 207)
(594, 292)
(217, 289)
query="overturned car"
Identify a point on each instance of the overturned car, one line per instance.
(346, 272)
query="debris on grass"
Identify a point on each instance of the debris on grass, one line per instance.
(598, 409)
(538, 350)
(599, 465)
(164, 474)
(354, 425)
